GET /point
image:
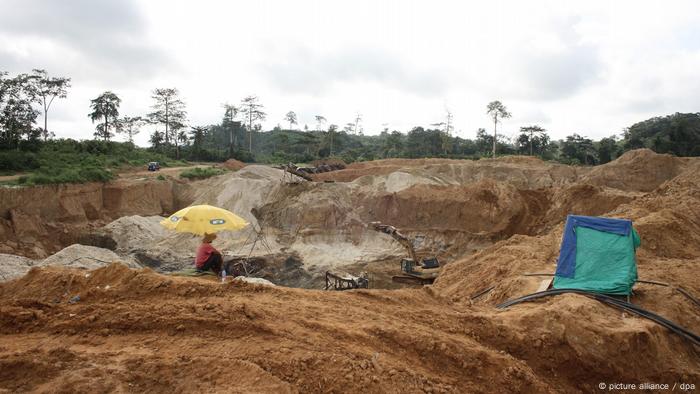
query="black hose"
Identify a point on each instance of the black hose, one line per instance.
(692, 337)
(482, 292)
(681, 290)
(688, 295)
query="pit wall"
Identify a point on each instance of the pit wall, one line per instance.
(40, 220)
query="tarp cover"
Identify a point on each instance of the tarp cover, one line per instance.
(597, 254)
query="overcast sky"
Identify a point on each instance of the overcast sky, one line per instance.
(590, 67)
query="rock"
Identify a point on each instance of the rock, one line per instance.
(257, 281)
(87, 257)
(135, 232)
(12, 266)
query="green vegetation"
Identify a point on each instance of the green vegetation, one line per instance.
(201, 173)
(81, 174)
(69, 161)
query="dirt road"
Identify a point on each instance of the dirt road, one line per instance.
(165, 171)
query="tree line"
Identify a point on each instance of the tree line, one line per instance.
(239, 134)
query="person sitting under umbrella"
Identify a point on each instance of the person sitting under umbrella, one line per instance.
(208, 258)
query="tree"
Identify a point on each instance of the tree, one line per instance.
(252, 110)
(48, 89)
(105, 107)
(331, 130)
(484, 141)
(291, 117)
(358, 118)
(393, 144)
(197, 135)
(156, 139)
(496, 110)
(176, 128)
(678, 134)
(168, 109)
(130, 126)
(531, 132)
(183, 138)
(320, 121)
(17, 115)
(607, 149)
(229, 123)
(578, 150)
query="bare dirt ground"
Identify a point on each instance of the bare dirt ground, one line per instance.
(164, 171)
(489, 221)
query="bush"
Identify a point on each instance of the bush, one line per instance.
(201, 173)
(47, 176)
(13, 161)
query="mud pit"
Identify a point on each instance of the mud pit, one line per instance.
(490, 221)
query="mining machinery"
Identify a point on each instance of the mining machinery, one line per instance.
(415, 271)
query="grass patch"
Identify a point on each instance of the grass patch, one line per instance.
(49, 176)
(201, 173)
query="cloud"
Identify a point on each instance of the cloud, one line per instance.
(304, 71)
(553, 76)
(561, 67)
(98, 40)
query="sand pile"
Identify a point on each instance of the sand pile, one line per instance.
(242, 191)
(134, 232)
(668, 223)
(667, 219)
(637, 170)
(233, 165)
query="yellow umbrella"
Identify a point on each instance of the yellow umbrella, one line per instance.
(203, 219)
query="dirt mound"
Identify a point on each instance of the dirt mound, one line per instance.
(330, 162)
(637, 170)
(233, 165)
(527, 173)
(668, 223)
(135, 330)
(585, 199)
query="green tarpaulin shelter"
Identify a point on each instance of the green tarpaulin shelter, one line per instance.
(597, 254)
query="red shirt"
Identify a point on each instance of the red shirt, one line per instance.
(203, 252)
